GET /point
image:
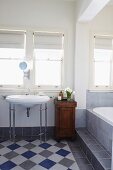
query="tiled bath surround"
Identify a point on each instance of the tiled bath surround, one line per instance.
(100, 129)
(99, 99)
(96, 126)
(93, 99)
(80, 118)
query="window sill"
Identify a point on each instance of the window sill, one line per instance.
(100, 90)
(10, 91)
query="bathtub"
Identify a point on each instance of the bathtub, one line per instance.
(99, 122)
(104, 113)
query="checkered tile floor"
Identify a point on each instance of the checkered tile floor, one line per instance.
(25, 155)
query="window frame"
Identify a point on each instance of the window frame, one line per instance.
(50, 87)
(92, 87)
(9, 87)
(29, 57)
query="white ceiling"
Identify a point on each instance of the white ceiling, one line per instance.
(111, 2)
(70, 0)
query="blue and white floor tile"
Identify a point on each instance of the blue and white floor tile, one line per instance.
(31, 155)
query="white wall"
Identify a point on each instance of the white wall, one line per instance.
(43, 15)
(81, 64)
(81, 7)
(55, 16)
(103, 23)
(39, 15)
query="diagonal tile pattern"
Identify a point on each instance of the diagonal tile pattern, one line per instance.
(29, 146)
(27, 164)
(11, 155)
(62, 152)
(46, 153)
(66, 162)
(28, 154)
(7, 165)
(45, 145)
(47, 163)
(31, 155)
(13, 146)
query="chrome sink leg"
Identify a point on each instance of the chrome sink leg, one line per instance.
(10, 122)
(45, 122)
(13, 123)
(41, 123)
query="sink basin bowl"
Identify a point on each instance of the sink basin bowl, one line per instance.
(27, 100)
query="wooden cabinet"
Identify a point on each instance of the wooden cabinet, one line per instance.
(65, 119)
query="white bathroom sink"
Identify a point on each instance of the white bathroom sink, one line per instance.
(27, 100)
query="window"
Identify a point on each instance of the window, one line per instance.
(11, 53)
(102, 62)
(43, 52)
(48, 52)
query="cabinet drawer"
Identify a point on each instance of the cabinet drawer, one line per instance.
(65, 104)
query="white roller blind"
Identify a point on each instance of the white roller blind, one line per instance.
(44, 40)
(12, 39)
(102, 42)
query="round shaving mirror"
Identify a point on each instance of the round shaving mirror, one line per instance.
(23, 65)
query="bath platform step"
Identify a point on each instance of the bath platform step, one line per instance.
(99, 157)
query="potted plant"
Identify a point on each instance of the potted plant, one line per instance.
(69, 93)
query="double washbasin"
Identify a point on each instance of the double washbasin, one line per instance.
(27, 100)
